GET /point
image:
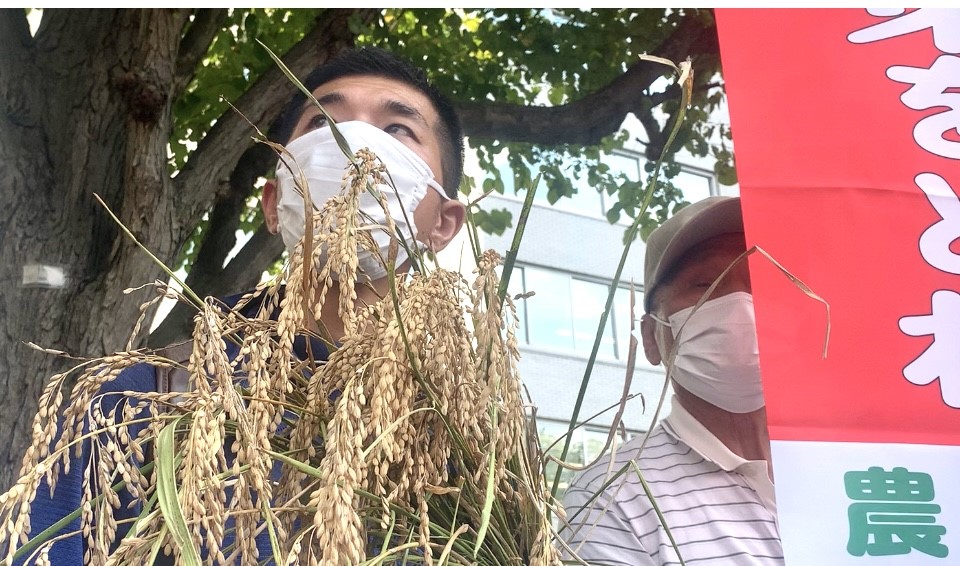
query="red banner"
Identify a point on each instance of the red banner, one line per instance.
(845, 128)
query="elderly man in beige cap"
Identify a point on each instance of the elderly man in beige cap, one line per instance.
(707, 464)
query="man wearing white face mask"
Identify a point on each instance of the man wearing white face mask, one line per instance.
(383, 103)
(707, 464)
(379, 101)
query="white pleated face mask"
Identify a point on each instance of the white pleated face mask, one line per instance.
(718, 358)
(323, 164)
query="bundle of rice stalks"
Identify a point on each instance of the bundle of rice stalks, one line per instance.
(408, 443)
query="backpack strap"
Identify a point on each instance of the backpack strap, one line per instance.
(175, 379)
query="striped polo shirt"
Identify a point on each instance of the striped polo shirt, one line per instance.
(720, 507)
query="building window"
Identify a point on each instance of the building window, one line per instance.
(587, 200)
(564, 312)
(627, 164)
(547, 326)
(695, 185)
(587, 302)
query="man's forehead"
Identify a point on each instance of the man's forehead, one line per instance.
(385, 92)
(723, 245)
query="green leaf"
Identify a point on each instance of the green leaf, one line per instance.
(355, 24)
(251, 25)
(493, 221)
(726, 173)
(556, 95)
(167, 492)
(613, 213)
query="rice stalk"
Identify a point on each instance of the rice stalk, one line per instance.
(409, 440)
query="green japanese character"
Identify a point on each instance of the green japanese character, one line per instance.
(876, 484)
(892, 516)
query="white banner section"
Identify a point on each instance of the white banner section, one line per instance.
(867, 504)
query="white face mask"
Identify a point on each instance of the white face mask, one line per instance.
(717, 356)
(323, 165)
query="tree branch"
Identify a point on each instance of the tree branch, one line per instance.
(194, 45)
(217, 153)
(206, 273)
(587, 120)
(240, 275)
(655, 135)
(673, 91)
(244, 270)
(225, 217)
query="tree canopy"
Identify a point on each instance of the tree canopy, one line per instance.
(137, 105)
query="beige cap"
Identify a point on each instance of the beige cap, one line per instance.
(693, 224)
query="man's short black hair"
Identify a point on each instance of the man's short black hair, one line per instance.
(381, 63)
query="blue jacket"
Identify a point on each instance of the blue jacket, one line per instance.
(48, 509)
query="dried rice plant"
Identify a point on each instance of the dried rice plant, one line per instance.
(409, 443)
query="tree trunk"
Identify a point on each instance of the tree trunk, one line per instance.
(85, 107)
(63, 137)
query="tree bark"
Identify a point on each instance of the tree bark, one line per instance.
(86, 108)
(65, 136)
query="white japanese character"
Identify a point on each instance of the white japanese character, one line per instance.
(936, 239)
(942, 358)
(944, 22)
(931, 90)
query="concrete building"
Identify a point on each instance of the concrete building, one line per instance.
(568, 258)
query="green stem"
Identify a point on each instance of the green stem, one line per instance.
(511, 258)
(632, 232)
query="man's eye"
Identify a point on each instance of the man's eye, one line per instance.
(400, 129)
(318, 121)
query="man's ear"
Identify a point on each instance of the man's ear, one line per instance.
(268, 202)
(451, 217)
(648, 329)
